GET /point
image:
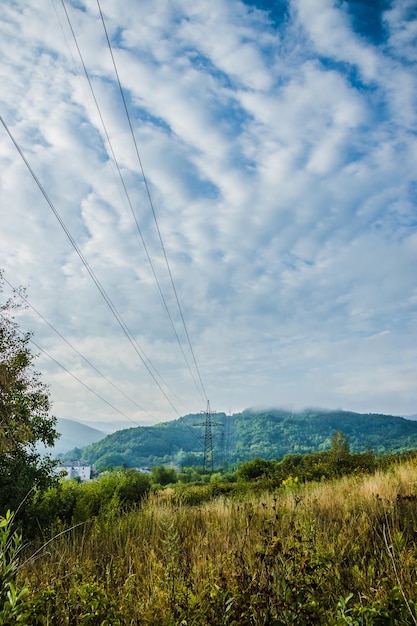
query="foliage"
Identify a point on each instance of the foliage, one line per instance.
(25, 419)
(316, 466)
(12, 600)
(270, 434)
(332, 553)
(163, 475)
(72, 502)
(251, 470)
(88, 604)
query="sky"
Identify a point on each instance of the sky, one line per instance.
(235, 222)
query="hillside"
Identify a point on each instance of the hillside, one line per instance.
(267, 434)
(72, 435)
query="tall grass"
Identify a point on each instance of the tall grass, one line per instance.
(340, 552)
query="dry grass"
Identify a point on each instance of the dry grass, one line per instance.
(289, 557)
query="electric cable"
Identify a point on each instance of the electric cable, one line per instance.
(90, 389)
(145, 428)
(151, 203)
(46, 353)
(43, 318)
(132, 210)
(136, 222)
(100, 288)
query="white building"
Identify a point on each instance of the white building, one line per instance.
(75, 469)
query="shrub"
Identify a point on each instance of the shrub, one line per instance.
(12, 600)
(162, 475)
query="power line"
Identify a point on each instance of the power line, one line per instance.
(91, 365)
(136, 222)
(108, 301)
(81, 382)
(130, 203)
(145, 428)
(151, 203)
(100, 288)
(76, 73)
(20, 294)
(73, 375)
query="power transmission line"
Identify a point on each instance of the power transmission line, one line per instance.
(73, 375)
(145, 428)
(151, 203)
(148, 365)
(81, 382)
(109, 303)
(20, 294)
(136, 223)
(88, 363)
(130, 203)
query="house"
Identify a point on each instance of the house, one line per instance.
(75, 469)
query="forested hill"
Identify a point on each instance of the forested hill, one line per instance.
(253, 433)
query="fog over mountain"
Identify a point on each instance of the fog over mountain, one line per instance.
(263, 433)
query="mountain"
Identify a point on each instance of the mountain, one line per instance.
(269, 433)
(73, 435)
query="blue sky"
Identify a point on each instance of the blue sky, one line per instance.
(278, 142)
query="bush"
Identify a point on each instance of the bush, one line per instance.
(162, 475)
(251, 470)
(73, 502)
(12, 601)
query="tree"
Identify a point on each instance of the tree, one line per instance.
(340, 452)
(25, 419)
(163, 475)
(257, 468)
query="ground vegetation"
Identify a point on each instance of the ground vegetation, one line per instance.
(25, 415)
(339, 550)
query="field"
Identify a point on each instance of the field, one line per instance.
(332, 552)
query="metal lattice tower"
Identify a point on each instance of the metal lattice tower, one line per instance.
(208, 439)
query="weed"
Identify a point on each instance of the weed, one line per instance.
(334, 552)
(12, 599)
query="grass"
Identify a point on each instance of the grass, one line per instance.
(340, 552)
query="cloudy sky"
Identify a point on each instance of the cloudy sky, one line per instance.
(268, 201)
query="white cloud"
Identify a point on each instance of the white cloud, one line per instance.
(283, 185)
(402, 29)
(330, 30)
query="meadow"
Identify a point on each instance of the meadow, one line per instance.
(339, 551)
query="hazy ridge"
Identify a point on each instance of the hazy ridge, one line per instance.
(265, 433)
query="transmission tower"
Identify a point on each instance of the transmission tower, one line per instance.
(208, 439)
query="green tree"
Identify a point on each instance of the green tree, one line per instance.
(110, 461)
(340, 454)
(163, 475)
(251, 470)
(134, 486)
(25, 419)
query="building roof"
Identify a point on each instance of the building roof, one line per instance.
(75, 463)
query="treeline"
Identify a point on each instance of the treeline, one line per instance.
(243, 436)
(316, 466)
(114, 492)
